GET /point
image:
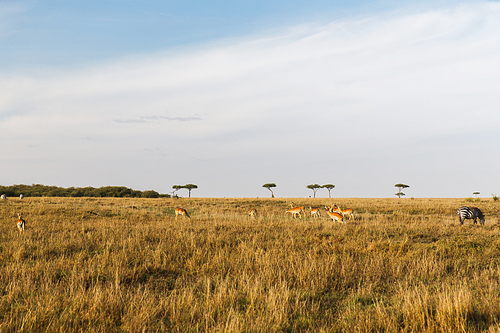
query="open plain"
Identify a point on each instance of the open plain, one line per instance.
(129, 265)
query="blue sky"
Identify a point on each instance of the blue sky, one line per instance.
(231, 95)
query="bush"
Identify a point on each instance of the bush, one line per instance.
(495, 198)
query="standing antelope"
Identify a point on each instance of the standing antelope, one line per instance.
(335, 216)
(20, 223)
(181, 211)
(314, 212)
(332, 208)
(253, 212)
(345, 212)
(302, 209)
(295, 211)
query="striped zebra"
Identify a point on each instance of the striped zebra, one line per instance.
(471, 213)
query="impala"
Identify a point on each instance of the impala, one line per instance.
(20, 223)
(302, 209)
(314, 212)
(345, 212)
(253, 212)
(181, 211)
(332, 208)
(295, 211)
(335, 216)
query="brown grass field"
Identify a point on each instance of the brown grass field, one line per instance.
(128, 265)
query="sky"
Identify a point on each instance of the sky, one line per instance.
(230, 95)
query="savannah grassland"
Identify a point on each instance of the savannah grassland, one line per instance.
(128, 265)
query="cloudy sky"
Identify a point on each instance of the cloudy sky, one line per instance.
(230, 95)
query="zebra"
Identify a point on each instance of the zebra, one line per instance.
(3, 197)
(471, 213)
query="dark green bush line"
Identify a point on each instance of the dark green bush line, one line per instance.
(38, 190)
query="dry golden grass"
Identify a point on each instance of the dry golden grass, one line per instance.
(128, 265)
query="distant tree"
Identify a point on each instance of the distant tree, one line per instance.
(190, 187)
(476, 194)
(329, 187)
(176, 188)
(314, 188)
(400, 188)
(269, 186)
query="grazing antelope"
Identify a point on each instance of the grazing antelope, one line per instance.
(253, 212)
(335, 216)
(315, 212)
(181, 211)
(295, 211)
(20, 223)
(345, 212)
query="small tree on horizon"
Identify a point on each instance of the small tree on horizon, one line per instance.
(176, 188)
(400, 188)
(269, 186)
(190, 187)
(329, 187)
(314, 188)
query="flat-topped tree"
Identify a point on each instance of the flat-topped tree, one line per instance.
(400, 188)
(190, 187)
(314, 188)
(176, 188)
(329, 187)
(269, 186)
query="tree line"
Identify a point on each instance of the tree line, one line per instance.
(38, 190)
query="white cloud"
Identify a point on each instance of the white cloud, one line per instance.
(315, 102)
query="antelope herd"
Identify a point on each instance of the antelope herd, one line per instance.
(334, 212)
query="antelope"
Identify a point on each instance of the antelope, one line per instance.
(20, 223)
(332, 208)
(181, 211)
(253, 212)
(345, 212)
(314, 212)
(295, 211)
(335, 216)
(300, 207)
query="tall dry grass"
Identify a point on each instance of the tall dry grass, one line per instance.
(127, 265)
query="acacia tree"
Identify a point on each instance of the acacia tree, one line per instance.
(269, 186)
(329, 187)
(400, 188)
(176, 188)
(190, 187)
(314, 188)
(476, 194)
